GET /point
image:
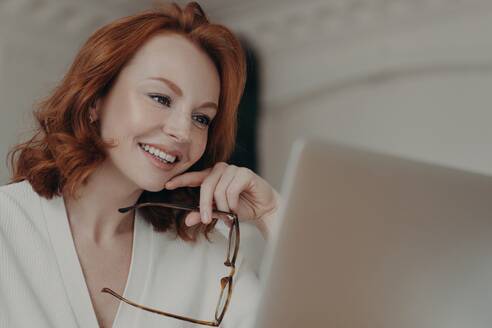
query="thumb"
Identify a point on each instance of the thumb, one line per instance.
(188, 179)
(192, 218)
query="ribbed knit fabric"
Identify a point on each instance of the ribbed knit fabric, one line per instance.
(42, 284)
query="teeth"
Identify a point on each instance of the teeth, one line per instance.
(170, 158)
(158, 153)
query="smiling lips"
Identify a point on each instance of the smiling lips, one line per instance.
(167, 156)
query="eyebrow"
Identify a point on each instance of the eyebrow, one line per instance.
(176, 89)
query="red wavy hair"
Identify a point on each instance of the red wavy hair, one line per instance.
(66, 149)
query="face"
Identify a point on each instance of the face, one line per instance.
(159, 110)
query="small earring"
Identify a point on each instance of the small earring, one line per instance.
(91, 119)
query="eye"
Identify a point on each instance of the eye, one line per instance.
(203, 120)
(161, 99)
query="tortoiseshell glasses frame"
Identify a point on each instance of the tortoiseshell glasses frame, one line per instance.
(226, 283)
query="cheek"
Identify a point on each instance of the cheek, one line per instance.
(121, 130)
(125, 120)
(199, 146)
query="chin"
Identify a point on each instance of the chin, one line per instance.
(153, 189)
(152, 186)
(149, 183)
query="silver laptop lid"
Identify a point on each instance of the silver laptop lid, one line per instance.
(375, 241)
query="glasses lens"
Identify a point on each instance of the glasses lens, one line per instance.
(221, 306)
(232, 242)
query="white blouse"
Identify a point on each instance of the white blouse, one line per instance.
(42, 284)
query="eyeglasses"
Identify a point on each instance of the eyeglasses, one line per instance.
(225, 282)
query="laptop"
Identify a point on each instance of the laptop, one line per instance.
(366, 239)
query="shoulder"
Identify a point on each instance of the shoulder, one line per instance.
(16, 196)
(17, 189)
(19, 207)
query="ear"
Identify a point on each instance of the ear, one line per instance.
(94, 110)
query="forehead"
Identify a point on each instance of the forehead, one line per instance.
(174, 57)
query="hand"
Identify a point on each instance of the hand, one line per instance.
(233, 189)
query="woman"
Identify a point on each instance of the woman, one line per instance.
(146, 113)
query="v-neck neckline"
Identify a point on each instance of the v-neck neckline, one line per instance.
(71, 271)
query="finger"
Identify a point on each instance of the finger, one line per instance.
(207, 191)
(192, 218)
(221, 188)
(189, 179)
(240, 182)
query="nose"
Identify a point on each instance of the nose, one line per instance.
(178, 126)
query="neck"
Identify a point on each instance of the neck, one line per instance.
(93, 213)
